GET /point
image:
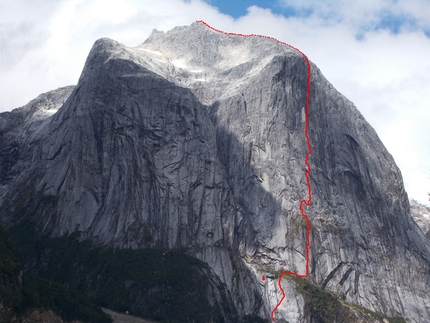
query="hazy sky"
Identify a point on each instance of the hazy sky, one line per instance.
(376, 52)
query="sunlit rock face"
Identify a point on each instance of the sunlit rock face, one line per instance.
(421, 215)
(194, 140)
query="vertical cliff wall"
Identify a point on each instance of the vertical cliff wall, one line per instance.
(194, 141)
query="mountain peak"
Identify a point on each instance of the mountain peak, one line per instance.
(194, 140)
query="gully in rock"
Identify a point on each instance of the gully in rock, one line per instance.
(306, 161)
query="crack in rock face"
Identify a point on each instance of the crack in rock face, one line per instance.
(194, 141)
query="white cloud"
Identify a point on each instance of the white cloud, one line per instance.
(45, 43)
(386, 74)
(364, 14)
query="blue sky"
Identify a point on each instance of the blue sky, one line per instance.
(375, 52)
(238, 8)
(393, 20)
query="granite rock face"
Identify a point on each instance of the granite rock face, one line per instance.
(421, 215)
(194, 140)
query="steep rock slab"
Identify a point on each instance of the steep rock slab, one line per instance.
(130, 161)
(195, 140)
(360, 215)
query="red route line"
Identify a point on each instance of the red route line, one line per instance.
(306, 161)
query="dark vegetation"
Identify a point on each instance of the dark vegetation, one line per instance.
(167, 286)
(43, 294)
(21, 293)
(324, 307)
(10, 273)
(253, 319)
(76, 278)
(375, 315)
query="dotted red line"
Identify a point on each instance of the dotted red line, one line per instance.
(306, 161)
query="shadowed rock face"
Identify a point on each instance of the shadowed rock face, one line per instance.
(194, 140)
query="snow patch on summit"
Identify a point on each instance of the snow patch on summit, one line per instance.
(224, 65)
(155, 52)
(179, 63)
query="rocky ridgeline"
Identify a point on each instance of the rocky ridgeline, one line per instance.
(194, 141)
